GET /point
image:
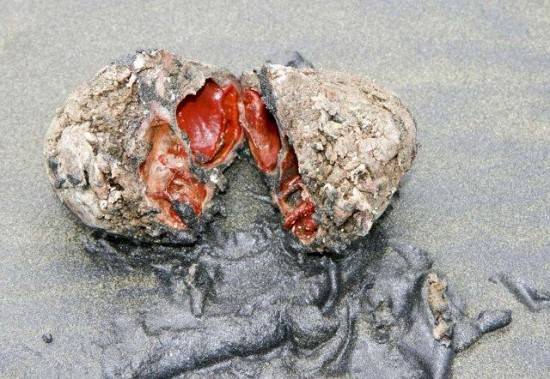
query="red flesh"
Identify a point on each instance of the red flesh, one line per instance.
(261, 131)
(295, 201)
(264, 141)
(211, 121)
(167, 175)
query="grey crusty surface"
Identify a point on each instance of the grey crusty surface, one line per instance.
(353, 140)
(477, 199)
(98, 141)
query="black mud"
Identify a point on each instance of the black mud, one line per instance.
(244, 302)
(526, 293)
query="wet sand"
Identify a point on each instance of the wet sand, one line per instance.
(477, 198)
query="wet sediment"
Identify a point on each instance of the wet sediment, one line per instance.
(245, 302)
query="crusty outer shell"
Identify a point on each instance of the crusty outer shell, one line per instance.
(95, 144)
(354, 142)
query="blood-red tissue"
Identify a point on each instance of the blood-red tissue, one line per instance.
(210, 119)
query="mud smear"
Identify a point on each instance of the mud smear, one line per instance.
(534, 299)
(245, 302)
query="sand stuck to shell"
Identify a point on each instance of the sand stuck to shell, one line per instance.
(132, 151)
(139, 150)
(346, 144)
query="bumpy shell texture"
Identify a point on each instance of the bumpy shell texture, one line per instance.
(119, 157)
(353, 142)
(139, 150)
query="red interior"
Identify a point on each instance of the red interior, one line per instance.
(211, 121)
(264, 141)
(167, 175)
(295, 201)
(261, 131)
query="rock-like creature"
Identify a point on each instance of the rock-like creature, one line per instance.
(140, 150)
(241, 302)
(344, 144)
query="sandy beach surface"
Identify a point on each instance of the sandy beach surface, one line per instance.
(476, 75)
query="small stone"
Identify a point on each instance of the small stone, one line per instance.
(47, 338)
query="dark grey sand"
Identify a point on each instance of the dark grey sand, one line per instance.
(477, 198)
